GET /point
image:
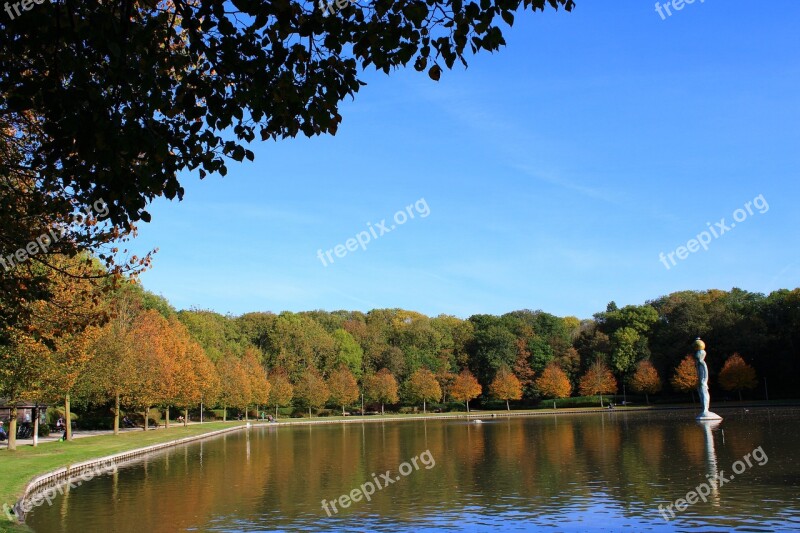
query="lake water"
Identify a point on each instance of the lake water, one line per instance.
(608, 472)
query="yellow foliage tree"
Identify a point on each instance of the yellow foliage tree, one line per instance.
(282, 391)
(343, 387)
(381, 387)
(506, 386)
(423, 386)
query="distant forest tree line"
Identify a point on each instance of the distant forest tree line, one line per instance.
(119, 345)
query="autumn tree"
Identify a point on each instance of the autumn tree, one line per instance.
(281, 392)
(259, 384)
(553, 383)
(343, 386)
(235, 388)
(311, 390)
(646, 379)
(599, 380)
(381, 387)
(522, 366)
(446, 380)
(506, 386)
(423, 387)
(114, 352)
(23, 362)
(685, 377)
(465, 387)
(737, 375)
(151, 375)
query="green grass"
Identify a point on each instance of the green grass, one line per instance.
(18, 467)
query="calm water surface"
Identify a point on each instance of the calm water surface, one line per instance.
(605, 472)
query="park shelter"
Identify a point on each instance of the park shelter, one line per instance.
(25, 410)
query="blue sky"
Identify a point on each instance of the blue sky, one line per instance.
(555, 173)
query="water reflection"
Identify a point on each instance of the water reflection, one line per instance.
(608, 470)
(711, 457)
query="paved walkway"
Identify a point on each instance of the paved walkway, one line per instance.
(79, 434)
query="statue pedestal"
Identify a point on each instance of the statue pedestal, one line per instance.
(708, 415)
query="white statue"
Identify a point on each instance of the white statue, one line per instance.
(702, 378)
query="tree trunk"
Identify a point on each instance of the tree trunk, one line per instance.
(116, 414)
(166, 419)
(507, 407)
(35, 420)
(343, 410)
(276, 412)
(224, 413)
(146, 422)
(68, 417)
(424, 409)
(601, 400)
(467, 402)
(185, 416)
(381, 409)
(647, 398)
(12, 430)
(246, 413)
(309, 413)
(740, 395)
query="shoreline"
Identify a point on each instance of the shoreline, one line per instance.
(33, 490)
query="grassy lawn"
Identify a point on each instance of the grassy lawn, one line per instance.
(17, 468)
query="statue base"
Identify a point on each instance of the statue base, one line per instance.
(708, 415)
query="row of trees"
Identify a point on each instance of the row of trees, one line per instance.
(105, 343)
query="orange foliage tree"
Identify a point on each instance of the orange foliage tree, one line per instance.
(599, 380)
(381, 387)
(553, 383)
(142, 374)
(343, 386)
(282, 391)
(311, 390)
(737, 375)
(259, 384)
(234, 384)
(646, 379)
(465, 387)
(685, 377)
(423, 387)
(506, 386)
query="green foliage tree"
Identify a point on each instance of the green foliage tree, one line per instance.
(348, 351)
